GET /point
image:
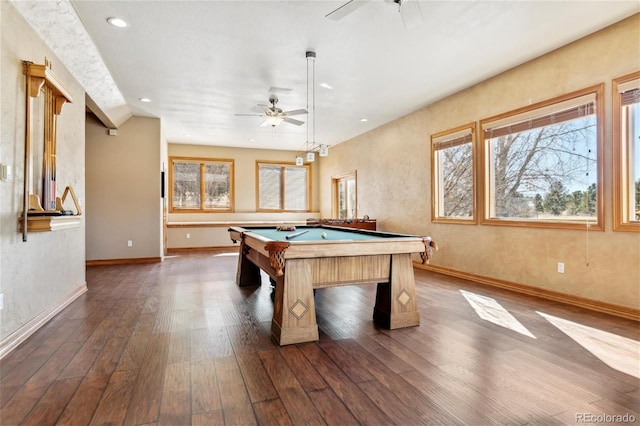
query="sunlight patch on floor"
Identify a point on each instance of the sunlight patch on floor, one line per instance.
(619, 353)
(490, 310)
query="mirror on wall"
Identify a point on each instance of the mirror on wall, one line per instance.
(45, 96)
(36, 159)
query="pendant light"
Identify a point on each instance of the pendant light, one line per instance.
(310, 146)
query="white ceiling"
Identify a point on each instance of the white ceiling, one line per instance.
(201, 62)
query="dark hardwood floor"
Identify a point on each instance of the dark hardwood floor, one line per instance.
(179, 343)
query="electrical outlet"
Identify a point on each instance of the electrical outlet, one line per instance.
(560, 268)
(188, 236)
(129, 243)
(5, 172)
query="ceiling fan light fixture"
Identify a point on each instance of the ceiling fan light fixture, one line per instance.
(273, 121)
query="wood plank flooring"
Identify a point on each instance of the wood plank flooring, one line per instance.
(179, 343)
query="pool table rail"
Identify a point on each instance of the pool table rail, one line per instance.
(279, 251)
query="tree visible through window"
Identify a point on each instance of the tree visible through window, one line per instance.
(186, 185)
(201, 184)
(541, 164)
(452, 177)
(283, 187)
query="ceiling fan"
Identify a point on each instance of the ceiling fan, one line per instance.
(274, 115)
(409, 11)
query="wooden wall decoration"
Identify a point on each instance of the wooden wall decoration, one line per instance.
(40, 80)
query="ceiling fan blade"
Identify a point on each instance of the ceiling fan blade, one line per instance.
(249, 115)
(344, 10)
(293, 121)
(411, 14)
(296, 112)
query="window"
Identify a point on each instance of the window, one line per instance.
(283, 187)
(542, 164)
(452, 175)
(201, 185)
(626, 152)
(345, 196)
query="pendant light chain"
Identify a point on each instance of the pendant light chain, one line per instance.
(310, 146)
(313, 90)
(307, 143)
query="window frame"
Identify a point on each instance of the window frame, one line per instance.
(621, 161)
(283, 165)
(484, 172)
(202, 161)
(335, 181)
(443, 137)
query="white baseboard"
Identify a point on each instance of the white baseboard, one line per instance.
(23, 333)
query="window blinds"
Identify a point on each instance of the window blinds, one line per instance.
(559, 112)
(452, 139)
(629, 92)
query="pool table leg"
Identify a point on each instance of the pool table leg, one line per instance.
(396, 305)
(294, 311)
(248, 273)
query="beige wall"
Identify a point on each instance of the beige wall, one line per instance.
(245, 176)
(245, 196)
(393, 166)
(123, 190)
(40, 275)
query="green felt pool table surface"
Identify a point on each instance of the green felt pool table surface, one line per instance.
(313, 233)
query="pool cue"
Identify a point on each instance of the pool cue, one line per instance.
(288, 237)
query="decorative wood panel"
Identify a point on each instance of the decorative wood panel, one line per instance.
(335, 271)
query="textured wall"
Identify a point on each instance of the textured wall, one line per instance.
(123, 190)
(245, 195)
(393, 166)
(40, 274)
(245, 176)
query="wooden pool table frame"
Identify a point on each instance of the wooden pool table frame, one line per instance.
(298, 267)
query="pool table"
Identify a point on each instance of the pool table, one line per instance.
(324, 256)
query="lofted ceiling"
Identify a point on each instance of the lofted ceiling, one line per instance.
(202, 62)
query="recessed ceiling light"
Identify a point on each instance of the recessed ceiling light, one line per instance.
(117, 22)
(144, 99)
(326, 86)
(364, 120)
(252, 140)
